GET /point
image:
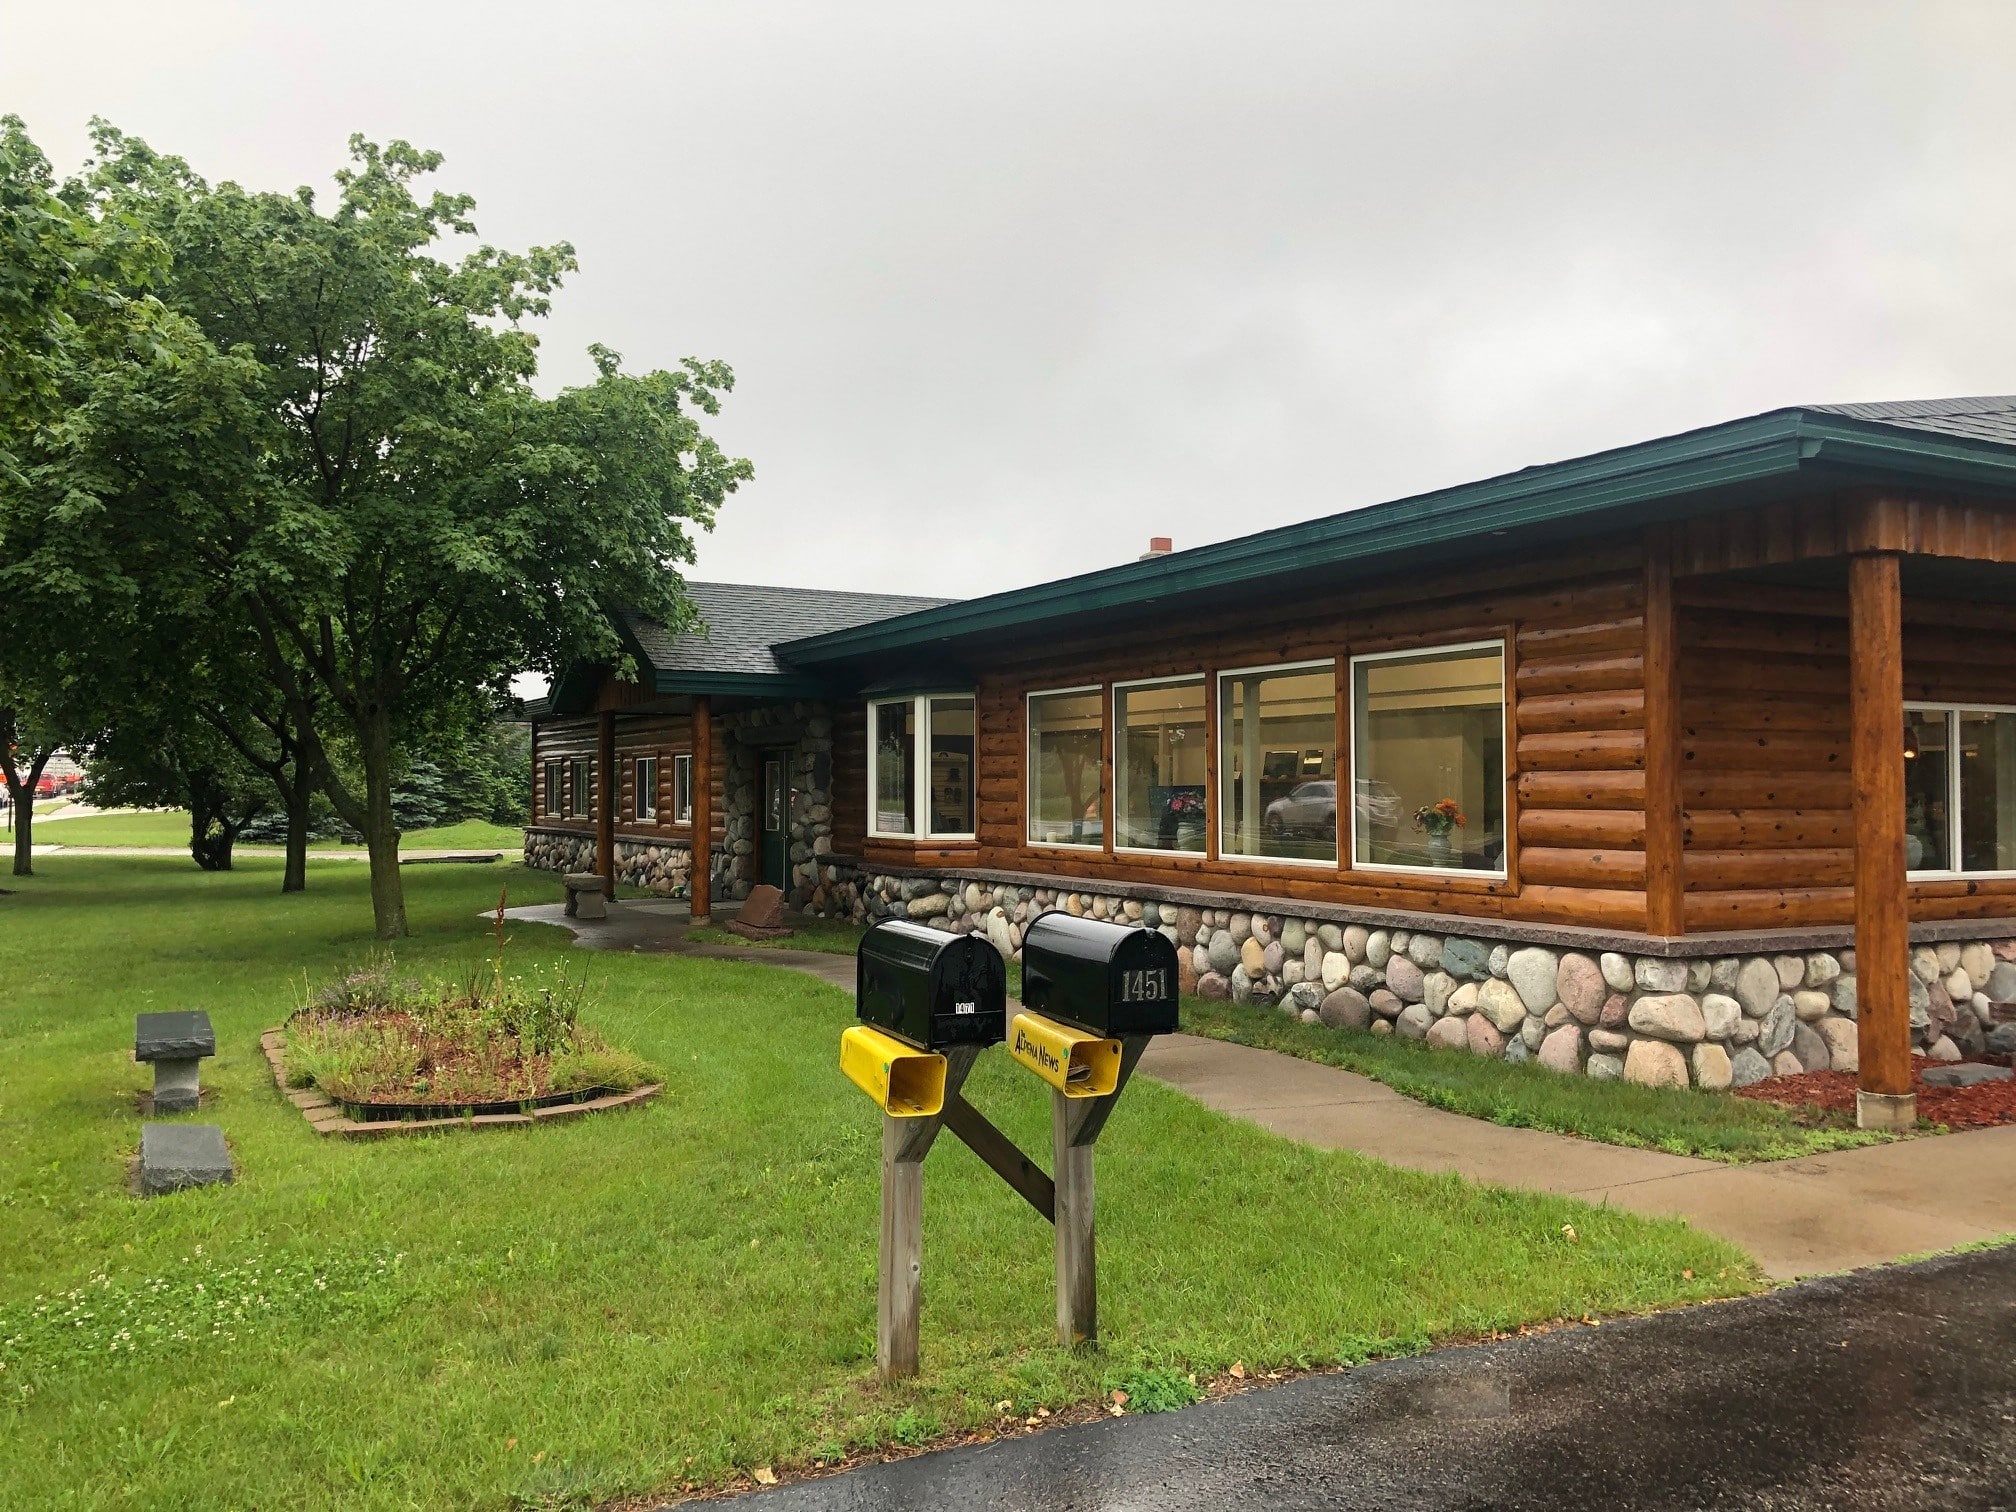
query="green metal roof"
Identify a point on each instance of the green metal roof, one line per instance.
(1782, 451)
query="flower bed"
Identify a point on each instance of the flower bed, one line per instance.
(387, 1047)
(1819, 1093)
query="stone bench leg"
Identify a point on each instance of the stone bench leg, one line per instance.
(586, 903)
(176, 1089)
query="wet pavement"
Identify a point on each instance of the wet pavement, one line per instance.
(1891, 1388)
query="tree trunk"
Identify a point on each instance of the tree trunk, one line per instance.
(21, 793)
(296, 877)
(211, 853)
(24, 835)
(381, 831)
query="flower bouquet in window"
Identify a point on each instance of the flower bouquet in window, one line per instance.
(1438, 821)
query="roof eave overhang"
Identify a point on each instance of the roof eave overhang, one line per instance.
(1706, 464)
(742, 684)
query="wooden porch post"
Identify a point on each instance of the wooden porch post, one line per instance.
(699, 890)
(1882, 921)
(608, 787)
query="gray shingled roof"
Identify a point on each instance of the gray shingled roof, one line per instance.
(1990, 417)
(742, 621)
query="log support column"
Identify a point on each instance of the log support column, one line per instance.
(607, 788)
(699, 890)
(1882, 918)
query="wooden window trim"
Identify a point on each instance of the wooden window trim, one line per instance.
(1506, 739)
(1104, 690)
(1216, 697)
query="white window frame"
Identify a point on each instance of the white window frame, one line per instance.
(1218, 853)
(682, 782)
(647, 812)
(1504, 738)
(920, 765)
(556, 787)
(1203, 680)
(1953, 711)
(1029, 774)
(575, 766)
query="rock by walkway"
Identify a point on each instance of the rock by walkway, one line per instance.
(1820, 1213)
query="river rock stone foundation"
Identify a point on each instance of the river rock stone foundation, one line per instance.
(1708, 1022)
(559, 851)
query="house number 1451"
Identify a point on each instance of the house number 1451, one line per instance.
(1149, 986)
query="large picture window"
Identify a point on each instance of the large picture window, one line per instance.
(1968, 755)
(1067, 778)
(1277, 763)
(892, 745)
(1428, 762)
(921, 755)
(1159, 765)
(950, 775)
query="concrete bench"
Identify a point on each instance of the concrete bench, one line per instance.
(176, 1043)
(585, 898)
(174, 1156)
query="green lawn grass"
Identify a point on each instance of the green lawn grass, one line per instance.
(470, 834)
(617, 1305)
(159, 827)
(171, 827)
(1712, 1125)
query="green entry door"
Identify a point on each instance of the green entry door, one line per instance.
(774, 844)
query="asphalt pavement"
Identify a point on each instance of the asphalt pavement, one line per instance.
(1891, 1388)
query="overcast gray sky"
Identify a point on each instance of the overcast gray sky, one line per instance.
(1010, 288)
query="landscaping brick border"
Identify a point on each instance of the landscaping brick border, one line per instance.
(326, 1117)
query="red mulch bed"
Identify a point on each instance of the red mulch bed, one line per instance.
(1833, 1092)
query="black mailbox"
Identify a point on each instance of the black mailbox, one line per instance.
(931, 988)
(1103, 978)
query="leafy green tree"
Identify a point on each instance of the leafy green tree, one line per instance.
(74, 309)
(400, 518)
(488, 773)
(186, 765)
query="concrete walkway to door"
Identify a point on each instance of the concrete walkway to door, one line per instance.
(1800, 1217)
(1810, 1216)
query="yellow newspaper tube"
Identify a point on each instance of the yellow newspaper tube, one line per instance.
(900, 1079)
(1074, 1062)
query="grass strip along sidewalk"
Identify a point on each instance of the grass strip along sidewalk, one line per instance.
(635, 1301)
(1710, 1125)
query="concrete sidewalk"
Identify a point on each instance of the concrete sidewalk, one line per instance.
(1820, 1214)
(1798, 1217)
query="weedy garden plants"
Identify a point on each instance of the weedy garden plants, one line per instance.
(381, 1043)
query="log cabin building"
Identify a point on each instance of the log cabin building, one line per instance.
(1692, 761)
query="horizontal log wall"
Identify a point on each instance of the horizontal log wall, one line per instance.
(850, 776)
(641, 734)
(1766, 791)
(563, 741)
(663, 736)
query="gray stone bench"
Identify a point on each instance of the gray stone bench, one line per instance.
(174, 1156)
(584, 896)
(176, 1043)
